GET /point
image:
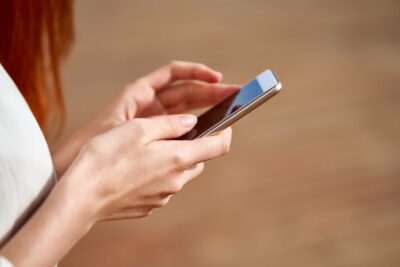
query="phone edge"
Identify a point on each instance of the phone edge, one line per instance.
(245, 110)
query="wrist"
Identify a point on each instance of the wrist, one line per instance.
(54, 228)
(76, 198)
(77, 207)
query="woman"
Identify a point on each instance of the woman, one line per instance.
(121, 165)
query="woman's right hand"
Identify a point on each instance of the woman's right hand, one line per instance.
(133, 168)
(122, 173)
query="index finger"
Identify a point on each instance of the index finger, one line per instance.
(165, 127)
(181, 70)
(202, 149)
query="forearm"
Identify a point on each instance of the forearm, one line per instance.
(51, 232)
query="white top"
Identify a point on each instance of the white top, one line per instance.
(26, 169)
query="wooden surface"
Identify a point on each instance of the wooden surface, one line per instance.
(313, 177)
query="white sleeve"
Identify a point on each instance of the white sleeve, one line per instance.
(4, 262)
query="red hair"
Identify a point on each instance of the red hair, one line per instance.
(35, 35)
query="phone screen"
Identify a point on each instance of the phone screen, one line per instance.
(228, 107)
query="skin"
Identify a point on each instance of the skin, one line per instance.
(124, 164)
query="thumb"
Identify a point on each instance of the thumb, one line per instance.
(167, 126)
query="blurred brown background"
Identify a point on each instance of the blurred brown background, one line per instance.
(313, 177)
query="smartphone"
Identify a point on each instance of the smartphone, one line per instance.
(234, 107)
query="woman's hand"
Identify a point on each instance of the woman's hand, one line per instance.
(158, 93)
(175, 88)
(131, 169)
(128, 171)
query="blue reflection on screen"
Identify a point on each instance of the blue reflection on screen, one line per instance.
(247, 93)
(223, 110)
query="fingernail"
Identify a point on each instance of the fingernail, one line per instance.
(188, 120)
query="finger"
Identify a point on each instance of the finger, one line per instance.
(188, 153)
(165, 127)
(154, 108)
(192, 172)
(194, 94)
(129, 213)
(174, 186)
(180, 70)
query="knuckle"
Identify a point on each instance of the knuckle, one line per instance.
(224, 146)
(172, 125)
(140, 93)
(146, 95)
(174, 187)
(179, 161)
(161, 203)
(138, 127)
(196, 171)
(174, 63)
(200, 167)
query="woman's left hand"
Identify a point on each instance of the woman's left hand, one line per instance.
(174, 88)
